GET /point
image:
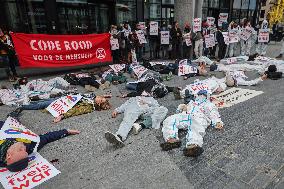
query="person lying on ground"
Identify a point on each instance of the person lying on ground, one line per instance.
(133, 109)
(84, 106)
(195, 117)
(14, 152)
(237, 78)
(150, 86)
(212, 85)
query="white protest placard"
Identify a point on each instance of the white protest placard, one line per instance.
(12, 128)
(165, 37)
(263, 36)
(223, 17)
(197, 24)
(139, 70)
(209, 40)
(245, 34)
(117, 67)
(142, 25)
(188, 42)
(114, 44)
(157, 63)
(63, 104)
(38, 171)
(198, 86)
(186, 69)
(233, 96)
(154, 28)
(210, 21)
(226, 37)
(232, 60)
(110, 71)
(141, 37)
(233, 36)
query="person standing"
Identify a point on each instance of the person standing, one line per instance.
(187, 45)
(176, 36)
(198, 44)
(126, 46)
(262, 46)
(153, 43)
(115, 46)
(233, 28)
(221, 41)
(164, 47)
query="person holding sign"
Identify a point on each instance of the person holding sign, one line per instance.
(263, 38)
(221, 41)
(176, 36)
(153, 36)
(114, 41)
(165, 40)
(195, 117)
(187, 43)
(233, 38)
(14, 151)
(198, 43)
(248, 33)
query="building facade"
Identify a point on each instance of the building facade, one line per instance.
(95, 16)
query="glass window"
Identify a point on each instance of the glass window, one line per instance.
(214, 3)
(126, 11)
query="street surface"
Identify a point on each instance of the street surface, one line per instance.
(249, 153)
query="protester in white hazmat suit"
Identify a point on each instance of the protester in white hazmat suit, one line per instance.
(198, 115)
(236, 78)
(249, 41)
(211, 85)
(262, 46)
(133, 109)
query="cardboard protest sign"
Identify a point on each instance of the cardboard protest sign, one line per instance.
(154, 28)
(198, 86)
(263, 36)
(117, 67)
(209, 40)
(233, 36)
(226, 37)
(63, 104)
(114, 43)
(196, 24)
(223, 17)
(157, 63)
(142, 25)
(139, 70)
(210, 21)
(141, 37)
(186, 69)
(106, 73)
(165, 37)
(233, 96)
(245, 34)
(188, 42)
(38, 171)
(231, 60)
(12, 128)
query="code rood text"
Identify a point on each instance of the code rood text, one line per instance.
(38, 45)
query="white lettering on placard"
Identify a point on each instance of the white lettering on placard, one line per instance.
(55, 45)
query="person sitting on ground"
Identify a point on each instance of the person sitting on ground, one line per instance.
(133, 109)
(236, 78)
(196, 116)
(14, 152)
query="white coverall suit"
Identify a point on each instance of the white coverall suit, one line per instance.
(233, 46)
(200, 114)
(240, 78)
(138, 107)
(210, 85)
(261, 46)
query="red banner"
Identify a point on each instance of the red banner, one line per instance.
(41, 50)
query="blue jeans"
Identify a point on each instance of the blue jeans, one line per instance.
(38, 105)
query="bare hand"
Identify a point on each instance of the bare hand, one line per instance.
(264, 77)
(73, 132)
(219, 126)
(114, 114)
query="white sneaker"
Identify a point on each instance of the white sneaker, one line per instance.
(113, 139)
(136, 128)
